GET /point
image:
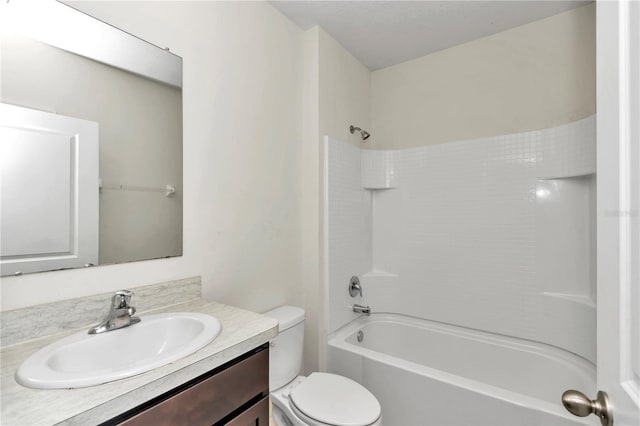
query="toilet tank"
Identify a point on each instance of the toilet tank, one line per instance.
(285, 350)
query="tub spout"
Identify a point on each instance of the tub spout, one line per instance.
(362, 309)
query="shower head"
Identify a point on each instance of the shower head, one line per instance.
(363, 133)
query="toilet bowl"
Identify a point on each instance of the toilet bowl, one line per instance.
(324, 399)
(318, 400)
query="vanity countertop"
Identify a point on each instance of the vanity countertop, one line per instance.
(241, 331)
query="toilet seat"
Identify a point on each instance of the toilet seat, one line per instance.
(330, 399)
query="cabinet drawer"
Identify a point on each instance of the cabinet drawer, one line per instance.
(257, 415)
(209, 401)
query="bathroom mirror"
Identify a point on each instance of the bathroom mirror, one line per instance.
(90, 142)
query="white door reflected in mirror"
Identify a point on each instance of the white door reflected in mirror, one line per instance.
(132, 91)
(49, 178)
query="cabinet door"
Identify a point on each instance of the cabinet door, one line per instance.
(257, 415)
(211, 400)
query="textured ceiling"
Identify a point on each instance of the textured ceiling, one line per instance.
(385, 33)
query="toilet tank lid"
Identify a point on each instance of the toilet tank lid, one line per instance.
(287, 316)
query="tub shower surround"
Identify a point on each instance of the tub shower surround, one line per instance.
(494, 234)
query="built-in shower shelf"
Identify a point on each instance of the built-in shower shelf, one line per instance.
(380, 274)
(576, 298)
(380, 278)
(378, 188)
(566, 238)
(378, 169)
(568, 176)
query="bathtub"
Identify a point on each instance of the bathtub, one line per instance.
(429, 373)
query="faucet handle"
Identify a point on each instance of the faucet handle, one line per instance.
(354, 286)
(121, 299)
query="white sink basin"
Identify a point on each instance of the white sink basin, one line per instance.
(83, 359)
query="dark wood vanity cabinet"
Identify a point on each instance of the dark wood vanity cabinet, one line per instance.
(236, 393)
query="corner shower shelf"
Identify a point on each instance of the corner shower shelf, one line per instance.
(576, 298)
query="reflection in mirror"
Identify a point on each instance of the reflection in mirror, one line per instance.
(90, 143)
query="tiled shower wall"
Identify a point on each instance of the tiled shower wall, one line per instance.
(495, 234)
(348, 235)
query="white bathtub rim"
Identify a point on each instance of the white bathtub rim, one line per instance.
(550, 352)
(530, 346)
(337, 340)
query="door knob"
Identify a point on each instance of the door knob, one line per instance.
(579, 405)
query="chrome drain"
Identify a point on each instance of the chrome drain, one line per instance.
(360, 336)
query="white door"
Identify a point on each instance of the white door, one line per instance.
(48, 191)
(618, 171)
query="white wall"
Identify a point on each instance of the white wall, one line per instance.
(344, 99)
(242, 127)
(336, 95)
(531, 77)
(345, 91)
(310, 204)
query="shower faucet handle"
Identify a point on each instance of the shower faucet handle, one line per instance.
(354, 286)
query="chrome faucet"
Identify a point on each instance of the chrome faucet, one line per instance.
(355, 288)
(362, 309)
(120, 315)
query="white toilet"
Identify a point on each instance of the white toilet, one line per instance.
(319, 400)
